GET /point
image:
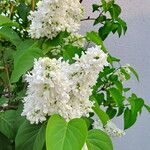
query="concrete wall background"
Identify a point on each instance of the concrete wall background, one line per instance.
(133, 48)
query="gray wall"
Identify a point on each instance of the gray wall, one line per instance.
(133, 48)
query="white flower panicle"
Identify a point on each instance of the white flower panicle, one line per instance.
(47, 90)
(84, 72)
(113, 130)
(57, 87)
(110, 128)
(54, 16)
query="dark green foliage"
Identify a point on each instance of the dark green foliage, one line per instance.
(130, 115)
(112, 23)
(17, 54)
(30, 137)
(99, 140)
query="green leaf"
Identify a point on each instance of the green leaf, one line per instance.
(69, 52)
(50, 44)
(106, 71)
(123, 24)
(111, 59)
(24, 58)
(3, 100)
(147, 107)
(134, 72)
(61, 135)
(5, 21)
(98, 140)
(95, 7)
(104, 5)
(120, 111)
(111, 112)
(94, 37)
(88, 121)
(5, 143)
(125, 73)
(99, 97)
(126, 89)
(119, 30)
(105, 30)
(10, 35)
(19, 120)
(30, 137)
(114, 27)
(136, 104)
(100, 19)
(115, 11)
(23, 11)
(7, 120)
(100, 113)
(129, 118)
(10, 121)
(8, 53)
(119, 85)
(117, 96)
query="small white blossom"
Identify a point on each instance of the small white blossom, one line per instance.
(113, 130)
(120, 75)
(56, 87)
(75, 39)
(85, 147)
(110, 128)
(54, 16)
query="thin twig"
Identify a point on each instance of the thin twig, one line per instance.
(88, 18)
(7, 76)
(33, 5)
(87, 45)
(8, 107)
(11, 10)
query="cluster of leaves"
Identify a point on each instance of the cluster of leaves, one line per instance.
(111, 93)
(109, 19)
(17, 53)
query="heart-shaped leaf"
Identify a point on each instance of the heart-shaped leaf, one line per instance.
(98, 140)
(61, 135)
(30, 137)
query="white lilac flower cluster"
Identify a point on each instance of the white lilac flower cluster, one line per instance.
(110, 128)
(54, 16)
(57, 87)
(121, 76)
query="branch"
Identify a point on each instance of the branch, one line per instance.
(11, 10)
(88, 18)
(7, 75)
(33, 5)
(8, 107)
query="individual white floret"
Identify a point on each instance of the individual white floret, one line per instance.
(110, 128)
(121, 76)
